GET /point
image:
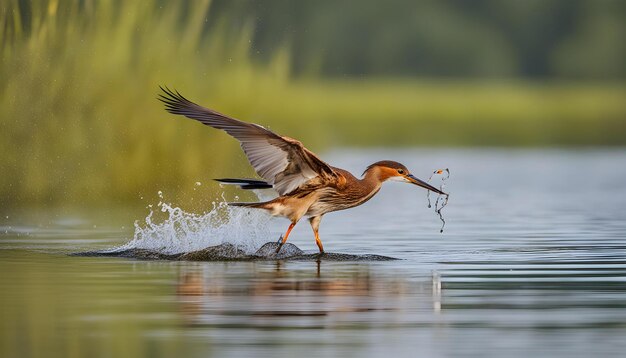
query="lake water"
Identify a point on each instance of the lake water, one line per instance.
(532, 262)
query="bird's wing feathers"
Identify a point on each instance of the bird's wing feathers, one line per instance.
(282, 161)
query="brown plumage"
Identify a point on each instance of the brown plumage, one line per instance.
(307, 186)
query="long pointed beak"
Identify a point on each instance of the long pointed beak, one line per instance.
(424, 184)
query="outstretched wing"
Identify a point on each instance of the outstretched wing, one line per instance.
(281, 161)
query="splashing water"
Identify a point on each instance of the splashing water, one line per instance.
(182, 231)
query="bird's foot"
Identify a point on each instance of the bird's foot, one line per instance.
(280, 243)
(280, 246)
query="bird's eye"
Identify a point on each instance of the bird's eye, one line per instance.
(400, 171)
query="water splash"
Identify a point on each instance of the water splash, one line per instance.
(182, 231)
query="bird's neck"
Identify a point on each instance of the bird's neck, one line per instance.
(372, 180)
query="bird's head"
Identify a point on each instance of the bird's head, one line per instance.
(390, 170)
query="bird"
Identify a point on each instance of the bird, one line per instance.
(306, 185)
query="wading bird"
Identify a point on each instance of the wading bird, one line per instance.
(307, 186)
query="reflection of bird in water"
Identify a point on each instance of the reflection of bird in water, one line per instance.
(278, 282)
(205, 298)
(307, 185)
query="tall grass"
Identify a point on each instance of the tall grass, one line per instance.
(79, 121)
(78, 87)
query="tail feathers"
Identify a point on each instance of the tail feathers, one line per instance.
(249, 205)
(246, 183)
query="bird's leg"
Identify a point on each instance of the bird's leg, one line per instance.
(319, 242)
(285, 237)
(315, 224)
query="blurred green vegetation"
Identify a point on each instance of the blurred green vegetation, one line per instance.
(79, 121)
(566, 39)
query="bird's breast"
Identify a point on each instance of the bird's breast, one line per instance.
(331, 199)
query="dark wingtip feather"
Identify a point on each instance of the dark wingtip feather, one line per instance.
(173, 100)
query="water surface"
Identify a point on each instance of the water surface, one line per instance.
(532, 262)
